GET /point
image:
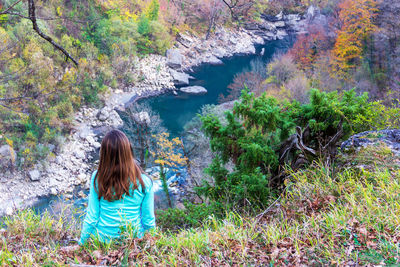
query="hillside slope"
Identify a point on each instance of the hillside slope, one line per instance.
(347, 216)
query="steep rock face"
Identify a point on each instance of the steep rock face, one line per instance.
(195, 50)
(277, 27)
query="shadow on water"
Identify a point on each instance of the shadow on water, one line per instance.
(177, 111)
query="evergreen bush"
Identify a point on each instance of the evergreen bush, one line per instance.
(248, 162)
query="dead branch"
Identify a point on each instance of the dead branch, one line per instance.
(9, 8)
(32, 17)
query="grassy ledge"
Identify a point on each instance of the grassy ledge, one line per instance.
(350, 216)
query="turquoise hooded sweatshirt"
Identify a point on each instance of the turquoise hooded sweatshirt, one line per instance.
(105, 219)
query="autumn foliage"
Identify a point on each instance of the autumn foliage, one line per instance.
(308, 47)
(356, 20)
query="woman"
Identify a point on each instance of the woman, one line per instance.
(120, 194)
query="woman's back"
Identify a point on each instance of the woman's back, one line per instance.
(120, 195)
(135, 209)
(105, 219)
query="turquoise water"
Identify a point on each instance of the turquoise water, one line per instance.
(176, 111)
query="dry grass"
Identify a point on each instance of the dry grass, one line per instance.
(348, 218)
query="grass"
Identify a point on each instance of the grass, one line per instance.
(350, 216)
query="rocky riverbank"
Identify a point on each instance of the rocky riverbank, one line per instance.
(72, 164)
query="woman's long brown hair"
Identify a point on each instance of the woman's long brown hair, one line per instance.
(117, 168)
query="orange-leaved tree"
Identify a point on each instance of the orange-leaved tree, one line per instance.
(167, 154)
(308, 47)
(356, 20)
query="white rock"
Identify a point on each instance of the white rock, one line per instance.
(141, 117)
(53, 191)
(90, 139)
(79, 154)
(195, 90)
(179, 78)
(9, 210)
(82, 178)
(96, 145)
(280, 24)
(7, 155)
(279, 16)
(281, 34)
(103, 114)
(211, 59)
(34, 175)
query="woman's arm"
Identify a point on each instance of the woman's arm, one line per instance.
(92, 215)
(147, 208)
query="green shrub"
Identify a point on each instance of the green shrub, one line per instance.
(255, 131)
(153, 10)
(64, 109)
(91, 89)
(144, 25)
(378, 117)
(194, 215)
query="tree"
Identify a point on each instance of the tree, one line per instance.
(153, 10)
(309, 47)
(33, 19)
(239, 8)
(141, 123)
(167, 155)
(356, 20)
(202, 13)
(211, 10)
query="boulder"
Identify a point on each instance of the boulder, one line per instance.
(389, 137)
(194, 90)
(245, 48)
(142, 117)
(114, 120)
(268, 26)
(34, 175)
(280, 24)
(184, 40)
(279, 16)
(312, 12)
(219, 52)
(281, 34)
(79, 154)
(251, 26)
(292, 17)
(103, 114)
(315, 16)
(174, 58)
(8, 156)
(212, 60)
(90, 139)
(180, 78)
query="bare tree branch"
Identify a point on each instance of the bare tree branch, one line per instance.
(32, 17)
(9, 8)
(236, 6)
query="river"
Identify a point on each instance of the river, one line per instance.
(177, 110)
